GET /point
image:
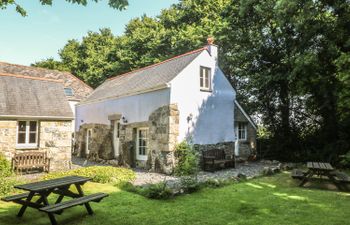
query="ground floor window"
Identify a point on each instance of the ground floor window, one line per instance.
(142, 144)
(241, 131)
(27, 134)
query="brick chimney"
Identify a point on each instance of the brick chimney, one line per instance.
(212, 49)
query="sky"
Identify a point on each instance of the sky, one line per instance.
(46, 29)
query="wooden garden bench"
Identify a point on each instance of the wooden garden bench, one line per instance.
(30, 160)
(216, 158)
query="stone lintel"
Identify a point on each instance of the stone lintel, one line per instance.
(116, 116)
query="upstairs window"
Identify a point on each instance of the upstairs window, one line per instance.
(68, 91)
(27, 134)
(242, 131)
(205, 78)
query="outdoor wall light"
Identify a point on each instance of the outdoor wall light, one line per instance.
(189, 117)
(124, 119)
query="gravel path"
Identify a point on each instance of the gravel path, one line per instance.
(143, 177)
(250, 170)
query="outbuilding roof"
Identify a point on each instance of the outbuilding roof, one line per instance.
(79, 89)
(149, 78)
(32, 97)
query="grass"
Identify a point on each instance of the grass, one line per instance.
(267, 200)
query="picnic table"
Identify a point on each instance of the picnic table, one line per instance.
(60, 187)
(322, 169)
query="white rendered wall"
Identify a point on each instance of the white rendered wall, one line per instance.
(135, 108)
(72, 105)
(212, 112)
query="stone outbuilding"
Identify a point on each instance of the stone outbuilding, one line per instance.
(139, 117)
(75, 89)
(35, 116)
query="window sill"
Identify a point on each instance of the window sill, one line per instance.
(27, 147)
(206, 90)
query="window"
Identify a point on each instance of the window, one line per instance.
(242, 131)
(205, 78)
(27, 134)
(142, 144)
(68, 91)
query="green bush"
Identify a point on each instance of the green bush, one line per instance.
(5, 167)
(6, 186)
(157, 191)
(153, 191)
(99, 174)
(345, 160)
(190, 184)
(187, 160)
(216, 183)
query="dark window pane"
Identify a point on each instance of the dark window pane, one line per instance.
(32, 125)
(21, 138)
(21, 125)
(32, 138)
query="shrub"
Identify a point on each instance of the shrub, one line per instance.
(345, 161)
(5, 167)
(153, 191)
(156, 191)
(190, 184)
(99, 174)
(187, 160)
(6, 186)
(216, 183)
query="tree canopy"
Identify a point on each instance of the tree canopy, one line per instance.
(116, 4)
(289, 61)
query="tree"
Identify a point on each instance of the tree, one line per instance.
(116, 4)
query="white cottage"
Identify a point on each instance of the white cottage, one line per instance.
(138, 117)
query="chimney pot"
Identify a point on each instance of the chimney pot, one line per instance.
(210, 40)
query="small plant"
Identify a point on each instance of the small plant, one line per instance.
(6, 185)
(157, 191)
(187, 160)
(345, 160)
(5, 167)
(190, 184)
(99, 174)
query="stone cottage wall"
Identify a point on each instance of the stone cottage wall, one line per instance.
(247, 147)
(54, 137)
(101, 146)
(163, 127)
(8, 138)
(163, 133)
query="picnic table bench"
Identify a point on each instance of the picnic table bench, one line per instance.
(61, 187)
(321, 169)
(215, 158)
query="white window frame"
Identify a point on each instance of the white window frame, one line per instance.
(27, 145)
(138, 155)
(88, 136)
(245, 125)
(202, 78)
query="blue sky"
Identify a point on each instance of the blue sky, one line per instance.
(24, 40)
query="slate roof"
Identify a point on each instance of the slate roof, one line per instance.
(80, 89)
(144, 79)
(24, 96)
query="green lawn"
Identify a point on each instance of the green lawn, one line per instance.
(268, 200)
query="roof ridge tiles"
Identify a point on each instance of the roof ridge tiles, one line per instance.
(157, 64)
(45, 69)
(29, 77)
